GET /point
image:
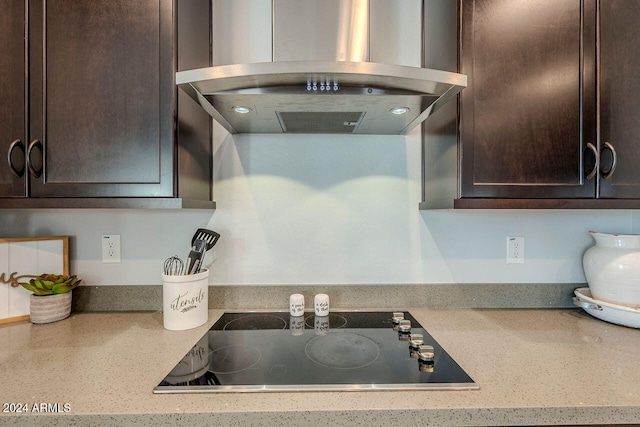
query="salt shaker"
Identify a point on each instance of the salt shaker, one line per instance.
(296, 305)
(321, 305)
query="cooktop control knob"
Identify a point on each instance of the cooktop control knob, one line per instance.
(426, 360)
(397, 317)
(404, 330)
(415, 341)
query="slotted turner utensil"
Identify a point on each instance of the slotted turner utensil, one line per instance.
(208, 236)
(194, 261)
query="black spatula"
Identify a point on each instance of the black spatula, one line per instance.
(208, 236)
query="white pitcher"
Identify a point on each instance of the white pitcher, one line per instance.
(612, 268)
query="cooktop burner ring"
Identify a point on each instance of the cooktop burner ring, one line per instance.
(342, 350)
(233, 359)
(265, 324)
(333, 318)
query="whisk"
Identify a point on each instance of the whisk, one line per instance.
(174, 266)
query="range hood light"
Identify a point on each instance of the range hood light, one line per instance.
(241, 110)
(399, 110)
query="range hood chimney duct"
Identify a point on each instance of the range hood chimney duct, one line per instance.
(334, 69)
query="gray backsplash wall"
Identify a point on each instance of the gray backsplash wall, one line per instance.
(313, 209)
(319, 214)
(334, 210)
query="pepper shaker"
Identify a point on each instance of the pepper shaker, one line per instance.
(296, 305)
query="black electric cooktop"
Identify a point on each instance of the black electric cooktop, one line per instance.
(272, 351)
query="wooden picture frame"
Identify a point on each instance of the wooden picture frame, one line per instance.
(27, 256)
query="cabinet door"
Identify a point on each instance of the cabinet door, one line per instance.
(102, 96)
(12, 98)
(529, 109)
(620, 95)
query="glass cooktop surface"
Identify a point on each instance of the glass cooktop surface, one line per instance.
(272, 351)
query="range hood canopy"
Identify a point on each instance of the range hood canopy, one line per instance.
(334, 68)
(320, 96)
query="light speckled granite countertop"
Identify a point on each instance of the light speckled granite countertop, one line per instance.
(533, 366)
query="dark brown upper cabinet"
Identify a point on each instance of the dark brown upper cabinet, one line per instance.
(549, 118)
(528, 113)
(13, 132)
(619, 99)
(96, 119)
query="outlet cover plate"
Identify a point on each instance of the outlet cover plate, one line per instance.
(111, 249)
(515, 250)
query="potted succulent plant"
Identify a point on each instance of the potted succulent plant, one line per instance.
(51, 298)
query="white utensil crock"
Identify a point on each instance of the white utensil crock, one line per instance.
(185, 300)
(612, 268)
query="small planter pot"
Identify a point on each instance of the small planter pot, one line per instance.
(50, 308)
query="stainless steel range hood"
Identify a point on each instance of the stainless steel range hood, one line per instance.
(321, 78)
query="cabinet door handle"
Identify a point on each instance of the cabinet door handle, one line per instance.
(15, 144)
(614, 160)
(594, 171)
(35, 172)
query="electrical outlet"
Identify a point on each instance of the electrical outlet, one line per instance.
(110, 248)
(515, 250)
